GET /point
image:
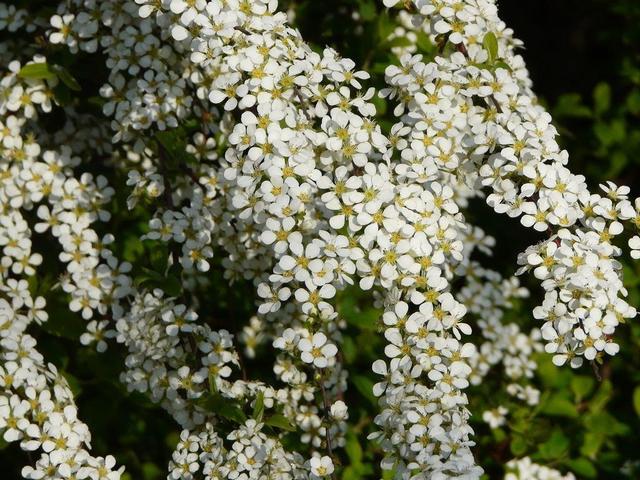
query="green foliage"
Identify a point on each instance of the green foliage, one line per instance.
(37, 71)
(280, 421)
(490, 44)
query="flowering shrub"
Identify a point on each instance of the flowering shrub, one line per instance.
(223, 205)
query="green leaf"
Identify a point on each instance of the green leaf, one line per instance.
(570, 105)
(582, 467)
(379, 67)
(62, 94)
(424, 43)
(601, 97)
(591, 445)
(280, 421)
(224, 407)
(159, 256)
(175, 145)
(399, 42)
(610, 133)
(351, 473)
(170, 283)
(498, 434)
(358, 471)
(44, 71)
(367, 10)
(37, 71)
(97, 101)
(636, 400)
(385, 25)
(171, 286)
(132, 246)
(74, 383)
(605, 424)
(150, 471)
(389, 474)
(63, 323)
(602, 397)
(349, 349)
(363, 319)
(518, 445)
(258, 408)
(380, 104)
(65, 76)
(555, 447)
(213, 390)
(172, 439)
(364, 385)
(560, 406)
(353, 449)
(502, 64)
(490, 44)
(582, 385)
(633, 102)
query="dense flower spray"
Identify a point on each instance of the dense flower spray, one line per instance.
(288, 176)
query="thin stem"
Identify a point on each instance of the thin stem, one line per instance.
(327, 422)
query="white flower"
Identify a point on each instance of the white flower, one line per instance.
(339, 410)
(96, 334)
(317, 350)
(64, 33)
(634, 245)
(496, 417)
(321, 466)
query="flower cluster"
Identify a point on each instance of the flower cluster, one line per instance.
(313, 197)
(524, 468)
(36, 403)
(202, 454)
(238, 140)
(472, 111)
